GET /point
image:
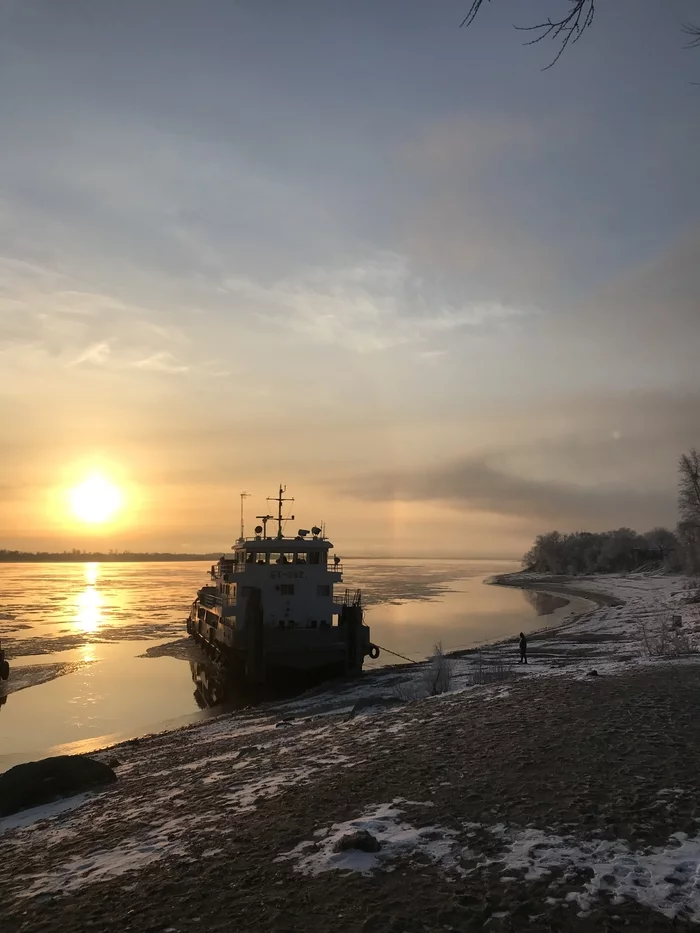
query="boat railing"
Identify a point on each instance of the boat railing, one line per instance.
(352, 598)
(291, 564)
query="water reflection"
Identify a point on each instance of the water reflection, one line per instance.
(544, 604)
(92, 571)
(88, 617)
(215, 688)
(210, 686)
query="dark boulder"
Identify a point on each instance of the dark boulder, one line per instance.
(361, 840)
(38, 782)
(593, 673)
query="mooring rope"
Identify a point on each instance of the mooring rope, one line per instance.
(396, 654)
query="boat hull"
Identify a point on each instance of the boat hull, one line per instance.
(258, 654)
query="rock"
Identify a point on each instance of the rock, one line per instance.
(593, 673)
(38, 782)
(284, 722)
(114, 763)
(361, 840)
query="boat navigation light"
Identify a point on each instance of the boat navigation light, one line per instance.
(315, 531)
(258, 529)
(303, 532)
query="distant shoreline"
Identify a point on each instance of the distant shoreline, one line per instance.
(14, 557)
(28, 557)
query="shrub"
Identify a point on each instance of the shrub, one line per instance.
(663, 636)
(438, 675)
(491, 670)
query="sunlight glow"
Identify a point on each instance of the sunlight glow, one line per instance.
(92, 569)
(88, 616)
(95, 500)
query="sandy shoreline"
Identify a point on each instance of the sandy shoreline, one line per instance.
(565, 585)
(549, 800)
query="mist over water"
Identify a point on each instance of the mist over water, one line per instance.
(100, 619)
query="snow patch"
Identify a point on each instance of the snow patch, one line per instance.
(396, 838)
(81, 870)
(666, 879)
(48, 811)
(245, 798)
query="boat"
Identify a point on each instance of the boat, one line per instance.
(270, 613)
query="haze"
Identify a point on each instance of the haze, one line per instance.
(451, 300)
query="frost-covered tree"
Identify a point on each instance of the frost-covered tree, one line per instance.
(689, 487)
(584, 552)
(689, 509)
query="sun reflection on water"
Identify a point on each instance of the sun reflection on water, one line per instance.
(88, 616)
(89, 602)
(92, 571)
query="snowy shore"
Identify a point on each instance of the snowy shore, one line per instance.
(537, 796)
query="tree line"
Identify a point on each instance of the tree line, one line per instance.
(75, 555)
(624, 550)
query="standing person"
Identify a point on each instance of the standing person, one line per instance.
(523, 649)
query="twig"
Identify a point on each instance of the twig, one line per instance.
(571, 27)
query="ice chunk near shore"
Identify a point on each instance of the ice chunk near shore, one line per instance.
(395, 837)
(47, 811)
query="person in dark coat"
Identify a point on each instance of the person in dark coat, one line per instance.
(523, 649)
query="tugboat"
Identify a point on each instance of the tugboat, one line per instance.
(270, 615)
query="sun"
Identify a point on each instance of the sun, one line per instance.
(95, 500)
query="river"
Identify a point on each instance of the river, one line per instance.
(99, 619)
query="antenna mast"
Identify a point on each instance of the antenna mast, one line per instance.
(244, 495)
(279, 500)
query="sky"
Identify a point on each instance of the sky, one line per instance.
(449, 298)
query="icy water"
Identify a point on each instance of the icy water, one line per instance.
(102, 617)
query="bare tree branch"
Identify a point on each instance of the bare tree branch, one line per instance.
(568, 29)
(471, 15)
(690, 29)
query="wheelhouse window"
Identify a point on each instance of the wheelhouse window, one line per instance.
(314, 557)
(275, 557)
(301, 557)
(250, 557)
(261, 558)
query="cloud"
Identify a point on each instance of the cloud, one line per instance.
(367, 306)
(98, 353)
(162, 362)
(475, 484)
(592, 462)
(48, 317)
